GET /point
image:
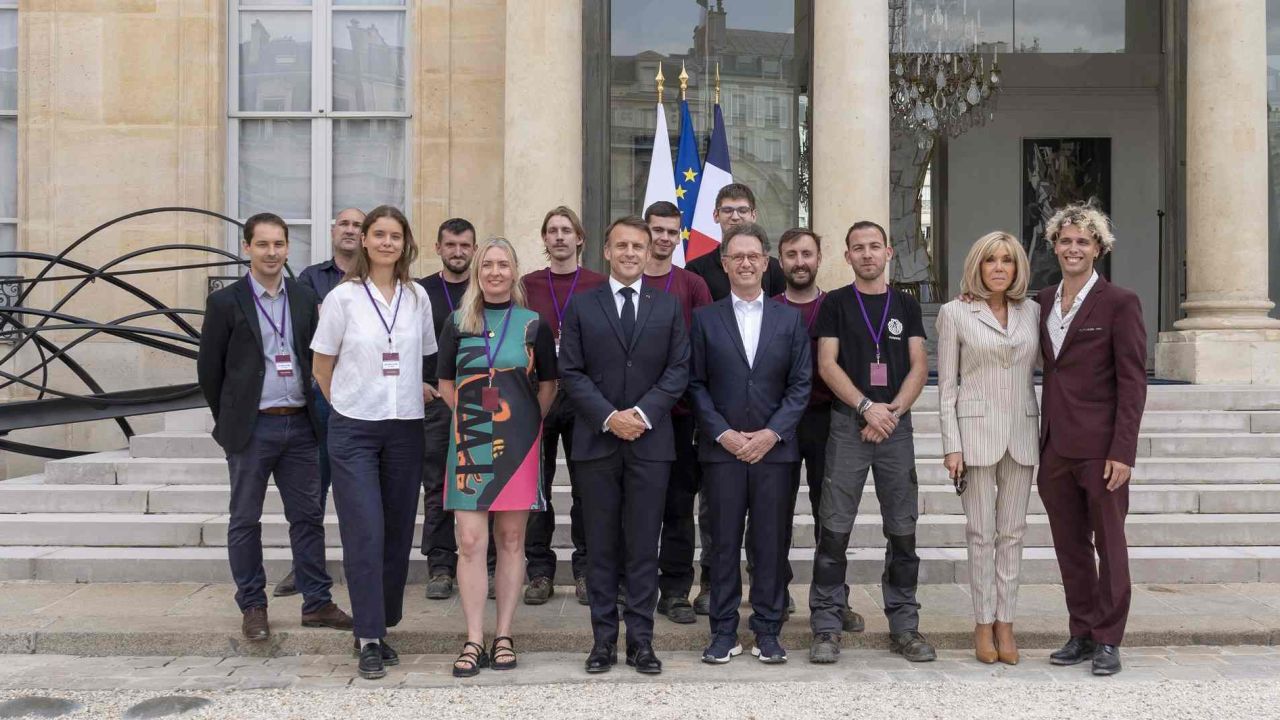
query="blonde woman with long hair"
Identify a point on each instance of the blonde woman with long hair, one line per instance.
(497, 370)
(988, 347)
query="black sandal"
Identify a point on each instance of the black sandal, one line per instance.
(510, 650)
(472, 660)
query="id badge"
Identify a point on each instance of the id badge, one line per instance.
(490, 400)
(284, 366)
(390, 363)
(879, 375)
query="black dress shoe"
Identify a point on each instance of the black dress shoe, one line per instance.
(1106, 660)
(1077, 650)
(677, 609)
(286, 587)
(641, 657)
(371, 665)
(602, 658)
(389, 655)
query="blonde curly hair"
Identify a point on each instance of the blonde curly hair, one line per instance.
(1088, 218)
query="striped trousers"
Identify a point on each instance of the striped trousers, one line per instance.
(995, 508)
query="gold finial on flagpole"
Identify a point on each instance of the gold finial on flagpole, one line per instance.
(684, 81)
(659, 80)
(717, 82)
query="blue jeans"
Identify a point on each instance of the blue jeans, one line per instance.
(283, 446)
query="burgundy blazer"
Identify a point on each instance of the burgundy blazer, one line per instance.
(1095, 390)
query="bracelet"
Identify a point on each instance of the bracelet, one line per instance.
(865, 405)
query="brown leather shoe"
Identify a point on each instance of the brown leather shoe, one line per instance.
(984, 644)
(330, 616)
(254, 625)
(1006, 646)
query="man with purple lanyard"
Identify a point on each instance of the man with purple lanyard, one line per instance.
(548, 292)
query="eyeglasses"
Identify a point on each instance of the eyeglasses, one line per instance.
(738, 259)
(740, 211)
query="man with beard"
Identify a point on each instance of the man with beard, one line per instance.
(321, 278)
(548, 292)
(871, 355)
(675, 559)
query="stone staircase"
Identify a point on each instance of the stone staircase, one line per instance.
(1205, 506)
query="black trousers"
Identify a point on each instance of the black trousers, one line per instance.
(675, 557)
(438, 541)
(731, 489)
(624, 491)
(540, 558)
(812, 433)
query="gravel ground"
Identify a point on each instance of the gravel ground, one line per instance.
(1167, 700)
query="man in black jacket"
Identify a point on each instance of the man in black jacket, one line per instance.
(254, 369)
(624, 362)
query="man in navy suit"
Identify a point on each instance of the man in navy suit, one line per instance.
(750, 384)
(624, 361)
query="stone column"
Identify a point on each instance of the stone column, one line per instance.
(542, 148)
(850, 151)
(1226, 336)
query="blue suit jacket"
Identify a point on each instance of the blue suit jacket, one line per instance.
(601, 372)
(728, 394)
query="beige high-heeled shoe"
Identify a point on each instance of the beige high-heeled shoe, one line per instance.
(1006, 646)
(984, 644)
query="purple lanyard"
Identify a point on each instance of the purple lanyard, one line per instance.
(284, 314)
(670, 276)
(447, 300)
(490, 355)
(555, 302)
(875, 335)
(378, 310)
(813, 314)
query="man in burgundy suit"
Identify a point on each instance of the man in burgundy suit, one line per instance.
(1094, 347)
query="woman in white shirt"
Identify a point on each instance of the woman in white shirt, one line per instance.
(375, 327)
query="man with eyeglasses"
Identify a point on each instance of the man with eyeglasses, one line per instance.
(735, 205)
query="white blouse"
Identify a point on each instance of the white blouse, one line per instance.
(350, 328)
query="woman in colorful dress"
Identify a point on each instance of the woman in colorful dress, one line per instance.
(497, 370)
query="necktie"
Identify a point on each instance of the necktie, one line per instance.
(628, 313)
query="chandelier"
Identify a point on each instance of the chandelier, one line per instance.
(939, 82)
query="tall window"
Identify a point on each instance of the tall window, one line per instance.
(8, 134)
(319, 112)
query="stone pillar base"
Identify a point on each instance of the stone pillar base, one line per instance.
(1220, 357)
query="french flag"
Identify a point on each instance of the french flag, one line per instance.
(704, 234)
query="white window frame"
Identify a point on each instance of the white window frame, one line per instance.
(12, 114)
(321, 116)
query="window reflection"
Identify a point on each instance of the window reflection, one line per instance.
(1037, 26)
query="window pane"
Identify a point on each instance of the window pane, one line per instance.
(8, 243)
(303, 3)
(8, 167)
(368, 163)
(368, 61)
(275, 61)
(8, 59)
(299, 248)
(1083, 26)
(367, 2)
(275, 167)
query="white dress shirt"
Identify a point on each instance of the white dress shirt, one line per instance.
(350, 329)
(749, 314)
(1058, 325)
(618, 301)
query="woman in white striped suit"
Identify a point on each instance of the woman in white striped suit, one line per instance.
(988, 348)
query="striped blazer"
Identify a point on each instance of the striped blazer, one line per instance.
(986, 396)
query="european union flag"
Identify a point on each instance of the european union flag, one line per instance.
(688, 172)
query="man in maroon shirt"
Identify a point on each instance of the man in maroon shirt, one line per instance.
(548, 292)
(675, 559)
(800, 254)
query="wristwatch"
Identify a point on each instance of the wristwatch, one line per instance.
(865, 405)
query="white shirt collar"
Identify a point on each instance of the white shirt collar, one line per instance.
(1083, 291)
(757, 302)
(260, 290)
(616, 285)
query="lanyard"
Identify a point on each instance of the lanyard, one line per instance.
(875, 334)
(670, 276)
(394, 315)
(491, 354)
(448, 299)
(555, 302)
(813, 314)
(284, 314)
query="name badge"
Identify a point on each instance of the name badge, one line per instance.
(284, 366)
(879, 375)
(390, 363)
(490, 400)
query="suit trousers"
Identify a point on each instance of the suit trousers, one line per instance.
(625, 491)
(731, 489)
(675, 557)
(377, 469)
(283, 447)
(1085, 517)
(995, 509)
(557, 427)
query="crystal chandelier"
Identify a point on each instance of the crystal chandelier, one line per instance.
(939, 81)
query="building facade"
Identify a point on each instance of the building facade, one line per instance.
(498, 111)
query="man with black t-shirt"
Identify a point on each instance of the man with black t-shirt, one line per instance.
(871, 355)
(455, 244)
(735, 205)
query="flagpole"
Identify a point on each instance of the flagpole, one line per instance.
(717, 82)
(659, 80)
(684, 81)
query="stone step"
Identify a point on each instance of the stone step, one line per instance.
(1162, 421)
(1163, 565)
(176, 530)
(175, 444)
(1195, 398)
